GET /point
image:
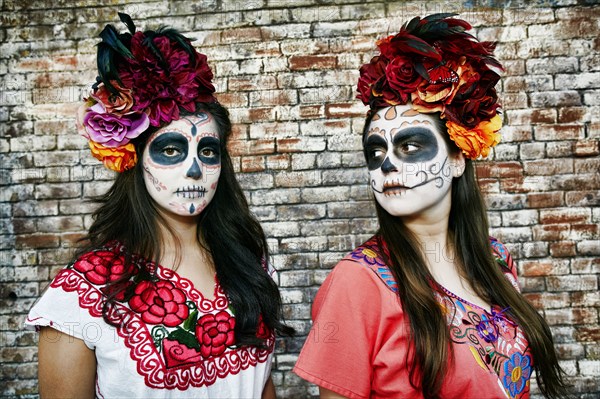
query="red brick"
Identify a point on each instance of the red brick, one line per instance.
(545, 200)
(506, 170)
(233, 100)
(251, 147)
(37, 241)
(280, 161)
(587, 147)
(563, 249)
(536, 268)
(239, 131)
(571, 114)
(569, 215)
(303, 62)
(488, 185)
(514, 185)
(260, 114)
(548, 300)
(551, 232)
(588, 334)
(253, 164)
(531, 116)
(240, 35)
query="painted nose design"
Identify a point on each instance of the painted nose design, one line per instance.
(387, 166)
(194, 171)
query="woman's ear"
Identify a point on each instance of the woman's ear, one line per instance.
(458, 163)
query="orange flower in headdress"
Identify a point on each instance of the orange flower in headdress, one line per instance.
(477, 141)
(118, 159)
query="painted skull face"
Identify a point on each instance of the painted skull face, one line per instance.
(182, 164)
(410, 169)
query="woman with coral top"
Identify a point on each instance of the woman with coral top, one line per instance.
(171, 296)
(429, 307)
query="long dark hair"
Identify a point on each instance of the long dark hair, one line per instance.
(469, 232)
(226, 228)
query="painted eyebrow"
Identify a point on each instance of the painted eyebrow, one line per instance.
(375, 140)
(410, 133)
(170, 136)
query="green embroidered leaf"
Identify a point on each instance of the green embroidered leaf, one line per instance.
(190, 323)
(184, 337)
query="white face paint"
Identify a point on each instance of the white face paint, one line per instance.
(410, 168)
(182, 164)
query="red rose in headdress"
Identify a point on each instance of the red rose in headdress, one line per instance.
(165, 77)
(476, 101)
(369, 74)
(436, 65)
(402, 76)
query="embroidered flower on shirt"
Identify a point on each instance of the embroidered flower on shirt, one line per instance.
(517, 372)
(215, 333)
(159, 303)
(487, 329)
(101, 267)
(368, 255)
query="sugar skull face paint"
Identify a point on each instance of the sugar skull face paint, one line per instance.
(410, 168)
(182, 164)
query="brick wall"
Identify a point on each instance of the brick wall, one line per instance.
(287, 71)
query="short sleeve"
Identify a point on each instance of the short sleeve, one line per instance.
(338, 353)
(60, 310)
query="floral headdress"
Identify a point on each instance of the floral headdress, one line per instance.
(438, 67)
(145, 79)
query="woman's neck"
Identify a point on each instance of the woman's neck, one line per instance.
(179, 230)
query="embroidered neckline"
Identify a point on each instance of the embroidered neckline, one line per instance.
(165, 348)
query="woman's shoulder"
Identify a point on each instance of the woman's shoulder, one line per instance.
(106, 263)
(369, 256)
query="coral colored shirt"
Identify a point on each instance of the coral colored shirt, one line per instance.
(172, 343)
(358, 344)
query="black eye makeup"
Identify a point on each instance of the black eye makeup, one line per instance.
(375, 148)
(168, 149)
(209, 150)
(415, 144)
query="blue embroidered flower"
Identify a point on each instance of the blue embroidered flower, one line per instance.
(487, 329)
(517, 371)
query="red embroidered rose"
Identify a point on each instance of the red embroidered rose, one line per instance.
(215, 333)
(159, 303)
(177, 353)
(101, 267)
